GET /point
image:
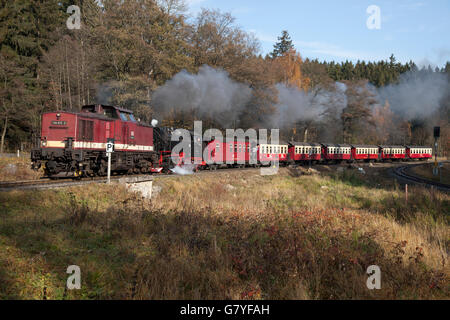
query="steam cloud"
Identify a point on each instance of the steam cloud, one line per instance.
(417, 95)
(210, 93)
(295, 105)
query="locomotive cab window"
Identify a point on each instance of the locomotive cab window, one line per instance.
(123, 116)
(132, 118)
(110, 113)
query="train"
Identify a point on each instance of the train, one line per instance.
(73, 144)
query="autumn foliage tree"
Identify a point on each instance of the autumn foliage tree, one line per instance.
(290, 68)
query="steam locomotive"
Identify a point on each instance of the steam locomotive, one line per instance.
(74, 145)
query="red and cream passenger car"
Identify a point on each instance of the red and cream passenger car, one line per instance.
(273, 152)
(392, 152)
(301, 151)
(336, 152)
(419, 153)
(364, 152)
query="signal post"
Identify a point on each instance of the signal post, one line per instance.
(109, 150)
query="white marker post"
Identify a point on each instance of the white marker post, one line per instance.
(109, 150)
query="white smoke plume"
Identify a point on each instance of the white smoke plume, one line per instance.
(210, 93)
(297, 105)
(417, 95)
(184, 170)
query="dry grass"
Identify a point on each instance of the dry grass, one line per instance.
(228, 235)
(426, 171)
(17, 169)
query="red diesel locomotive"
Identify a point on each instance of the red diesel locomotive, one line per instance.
(73, 144)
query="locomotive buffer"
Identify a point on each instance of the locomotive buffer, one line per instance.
(109, 150)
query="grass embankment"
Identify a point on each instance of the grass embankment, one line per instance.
(426, 171)
(228, 235)
(17, 169)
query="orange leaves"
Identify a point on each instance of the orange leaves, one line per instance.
(290, 68)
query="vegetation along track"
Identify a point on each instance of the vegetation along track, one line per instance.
(52, 183)
(47, 183)
(404, 175)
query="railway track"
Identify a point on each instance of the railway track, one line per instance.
(47, 183)
(60, 183)
(400, 172)
(404, 176)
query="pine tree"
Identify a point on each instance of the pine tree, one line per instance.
(284, 45)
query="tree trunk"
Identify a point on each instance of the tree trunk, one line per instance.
(2, 143)
(68, 79)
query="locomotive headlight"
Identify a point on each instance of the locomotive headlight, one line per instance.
(44, 143)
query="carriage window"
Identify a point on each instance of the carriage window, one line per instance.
(86, 130)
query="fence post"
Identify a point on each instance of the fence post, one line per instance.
(406, 194)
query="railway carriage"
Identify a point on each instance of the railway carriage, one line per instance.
(418, 153)
(231, 153)
(392, 153)
(301, 152)
(336, 152)
(364, 152)
(272, 152)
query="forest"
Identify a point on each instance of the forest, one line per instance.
(154, 58)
